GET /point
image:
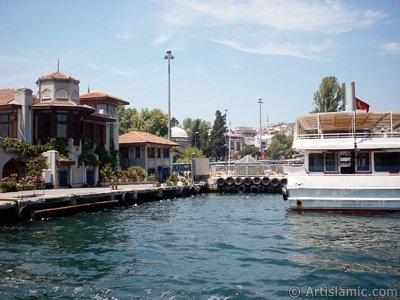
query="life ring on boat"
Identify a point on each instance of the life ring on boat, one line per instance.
(221, 181)
(265, 181)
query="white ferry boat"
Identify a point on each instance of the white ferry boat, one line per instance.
(351, 163)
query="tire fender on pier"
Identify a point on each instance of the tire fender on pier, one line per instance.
(25, 213)
(247, 181)
(256, 180)
(275, 182)
(238, 181)
(265, 181)
(221, 181)
(229, 180)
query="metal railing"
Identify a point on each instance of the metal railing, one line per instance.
(371, 135)
(263, 168)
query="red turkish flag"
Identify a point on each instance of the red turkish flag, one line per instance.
(361, 105)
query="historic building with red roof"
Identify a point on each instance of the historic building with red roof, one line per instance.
(147, 150)
(59, 111)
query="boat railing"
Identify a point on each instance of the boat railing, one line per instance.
(370, 135)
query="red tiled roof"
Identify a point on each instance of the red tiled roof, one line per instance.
(138, 137)
(57, 75)
(7, 95)
(102, 96)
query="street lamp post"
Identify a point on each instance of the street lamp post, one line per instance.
(260, 102)
(169, 56)
(195, 138)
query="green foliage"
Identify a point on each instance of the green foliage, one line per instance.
(107, 157)
(185, 155)
(152, 121)
(281, 146)
(172, 178)
(9, 184)
(249, 150)
(217, 137)
(30, 155)
(328, 98)
(107, 172)
(61, 145)
(198, 130)
(139, 172)
(87, 155)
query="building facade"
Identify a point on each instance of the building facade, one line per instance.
(58, 112)
(147, 150)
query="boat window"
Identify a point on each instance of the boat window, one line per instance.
(316, 162)
(345, 159)
(387, 161)
(331, 164)
(363, 162)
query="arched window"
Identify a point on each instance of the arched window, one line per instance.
(62, 94)
(46, 94)
(74, 96)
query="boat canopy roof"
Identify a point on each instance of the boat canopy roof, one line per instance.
(344, 121)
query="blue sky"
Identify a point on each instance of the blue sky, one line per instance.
(228, 53)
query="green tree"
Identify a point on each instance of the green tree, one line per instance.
(280, 147)
(249, 150)
(153, 121)
(198, 130)
(328, 98)
(185, 155)
(217, 137)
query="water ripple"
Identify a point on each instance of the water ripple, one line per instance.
(205, 247)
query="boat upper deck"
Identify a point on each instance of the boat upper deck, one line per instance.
(342, 130)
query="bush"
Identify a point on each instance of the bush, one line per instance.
(137, 172)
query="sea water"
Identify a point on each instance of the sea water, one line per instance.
(240, 246)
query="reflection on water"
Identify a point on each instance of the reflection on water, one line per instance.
(204, 247)
(350, 244)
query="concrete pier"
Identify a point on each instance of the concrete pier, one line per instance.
(42, 204)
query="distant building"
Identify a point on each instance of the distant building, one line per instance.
(235, 143)
(147, 150)
(58, 112)
(180, 136)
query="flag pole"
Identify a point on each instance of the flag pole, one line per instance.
(353, 98)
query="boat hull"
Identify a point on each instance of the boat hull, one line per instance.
(344, 200)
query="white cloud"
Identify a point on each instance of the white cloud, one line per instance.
(391, 49)
(273, 27)
(123, 36)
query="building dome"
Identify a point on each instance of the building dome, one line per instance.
(180, 136)
(178, 133)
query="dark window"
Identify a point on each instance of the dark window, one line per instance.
(158, 152)
(166, 153)
(331, 164)
(363, 162)
(151, 152)
(387, 161)
(316, 162)
(61, 125)
(6, 125)
(123, 152)
(137, 152)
